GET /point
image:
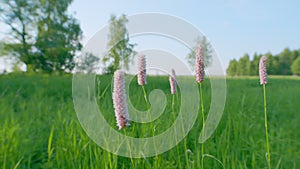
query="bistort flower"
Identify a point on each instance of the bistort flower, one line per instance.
(142, 70)
(263, 70)
(119, 100)
(200, 65)
(173, 82)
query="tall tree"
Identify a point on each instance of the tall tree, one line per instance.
(58, 37)
(87, 63)
(207, 49)
(286, 59)
(19, 16)
(254, 64)
(296, 66)
(243, 67)
(121, 52)
(42, 34)
(232, 68)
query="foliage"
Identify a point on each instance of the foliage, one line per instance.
(58, 37)
(207, 49)
(279, 64)
(286, 59)
(243, 67)
(232, 68)
(42, 34)
(19, 16)
(296, 66)
(120, 52)
(87, 63)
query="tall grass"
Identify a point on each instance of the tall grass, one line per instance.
(39, 127)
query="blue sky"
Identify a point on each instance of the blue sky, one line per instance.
(234, 27)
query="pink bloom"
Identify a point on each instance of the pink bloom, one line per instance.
(263, 70)
(119, 100)
(200, 65)
(142, 70)
(173, 82)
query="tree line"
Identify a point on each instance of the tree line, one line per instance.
(45, 37)
(286, 62)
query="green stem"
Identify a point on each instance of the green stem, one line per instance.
(186, 155)
(266, 127)
(177, 147)
(145, 95)
(148, 110)
(173, 102)
(203, 121)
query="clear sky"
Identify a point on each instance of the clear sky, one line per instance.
(234, 27)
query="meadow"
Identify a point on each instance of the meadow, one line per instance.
(39, 127)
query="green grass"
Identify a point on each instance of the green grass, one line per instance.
(39, 127)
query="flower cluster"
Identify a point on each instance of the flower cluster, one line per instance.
(200, 65)
(263, 70)
(142, 70)
(119, 100)
(173, 82)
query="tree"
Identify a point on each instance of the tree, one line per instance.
(275, 69)
(286, 59)
(296, 66)
(42, 34)
(232, 68)
(207, 49)
(19, 16)
(58, 37)
(254, 65)
(87, 63)
(243, 67)
(120, 52)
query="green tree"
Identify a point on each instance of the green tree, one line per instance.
(87, 63)
(296, 66)
(275, 69)
(243, 67)
(286, 59)
(58, 37)
(121, 52)
(232, 68)
(207, 48)
(254, 64)
(42, 34)
(19, 16)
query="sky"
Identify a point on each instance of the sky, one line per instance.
(234, 27)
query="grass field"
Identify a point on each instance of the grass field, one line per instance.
(39, 127)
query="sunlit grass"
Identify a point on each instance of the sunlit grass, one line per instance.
(39, 127)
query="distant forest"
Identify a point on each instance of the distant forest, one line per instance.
(285, 63)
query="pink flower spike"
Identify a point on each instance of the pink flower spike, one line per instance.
(263, 70)
(119, 100)
(142, 70)
(200, 65)
(173, 82)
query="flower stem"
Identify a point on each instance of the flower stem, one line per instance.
(145, 95)
(173, 102)
(266, 127)
(203, 121)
